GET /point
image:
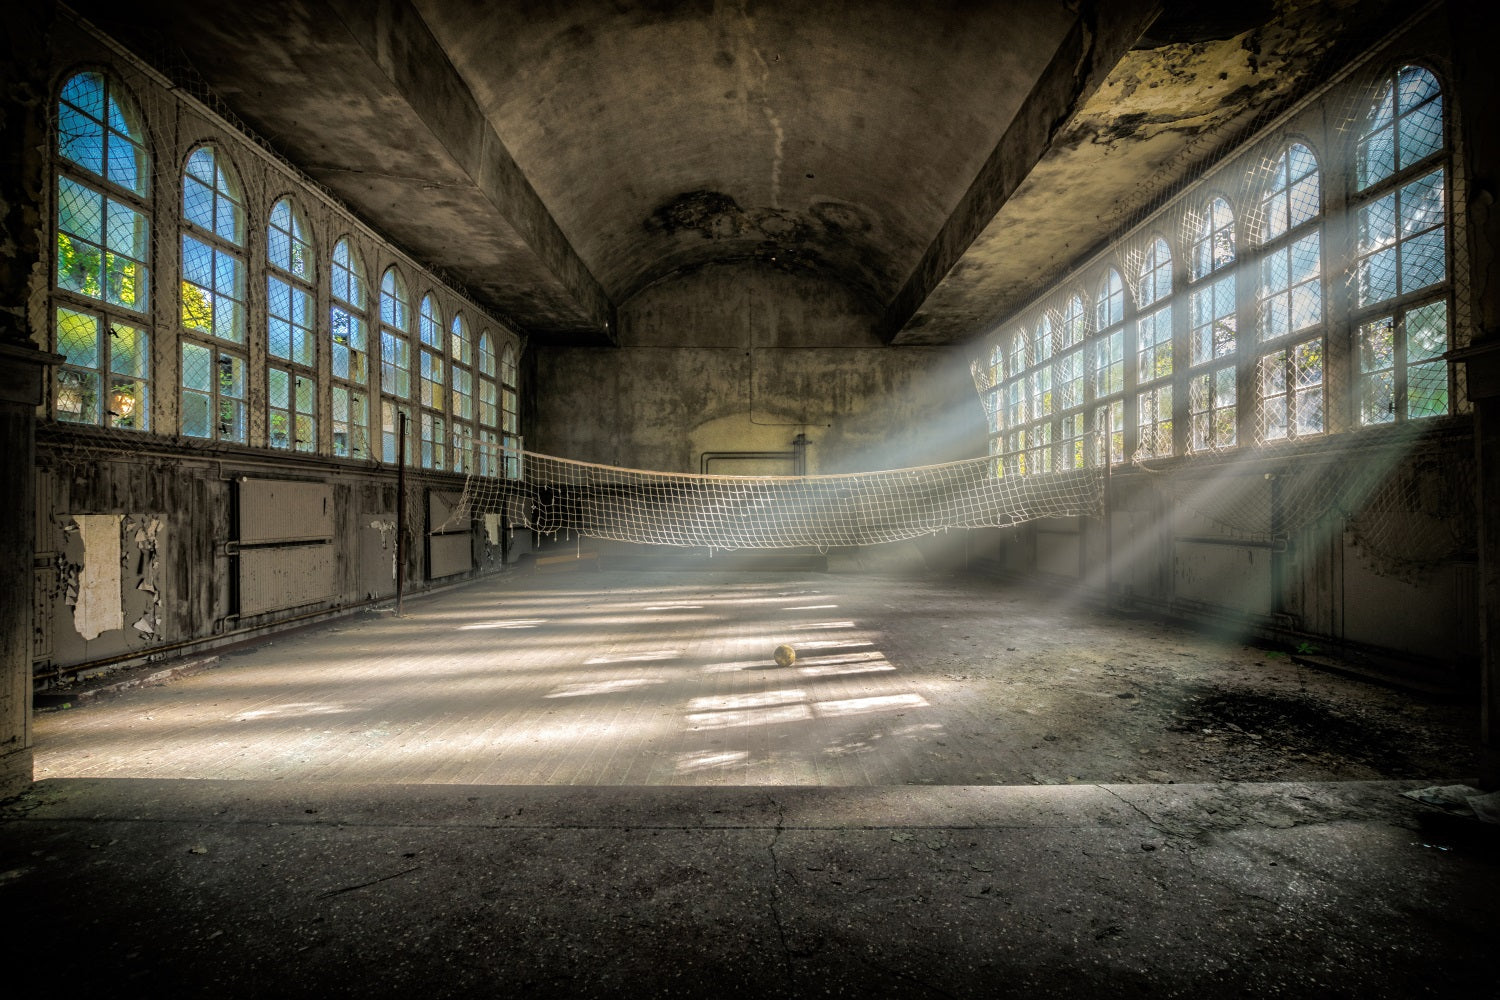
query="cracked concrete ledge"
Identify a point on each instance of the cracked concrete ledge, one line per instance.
(1180, 809)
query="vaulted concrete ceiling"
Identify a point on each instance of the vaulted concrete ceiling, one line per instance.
(555, 158)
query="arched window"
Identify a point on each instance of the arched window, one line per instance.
(510, 416)
(990, 397)
(1109, 364)
(1289, 369)
(291, 344)
(213, 298)
(431, 384)
(490, 462)
(1154, 352)
(1015, 398)
(1067, 384)
(461, 405)
(1212, 393)
(350, 358)
(395, 365)
(1039, 388)
(1401, 251)
(102, 284)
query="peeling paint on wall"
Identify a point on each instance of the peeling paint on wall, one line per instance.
(387, 529)
(143, 530)
(99, 608)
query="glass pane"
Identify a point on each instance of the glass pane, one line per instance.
(1377, 345)
(200, 166)
(197, 203)
(1377, 156)
(1427, 390)
(127, 165)
(129, 403)
(129, 351)
(197, 368)
(1307, 305)
(127, 231)
(78, 266)
(1377, 403)
(1427, 331)
(1377, 277)
(1424, 260)
(1305, 200)
(228, 221)
(80, 211)
(1377, 224)
(229, 319)
(86, 92)
(278, 387)
(1422, 203)
(78, 338)
(1421, 132)
(279, 246)
(80, 139)
(1310, 412)
(197, 262)
(1413, 86)
(195, 410)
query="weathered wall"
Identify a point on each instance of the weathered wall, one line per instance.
(1387, 572)
(172, 575)
(707, 365)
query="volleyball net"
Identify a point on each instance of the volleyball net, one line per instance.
(553, 495)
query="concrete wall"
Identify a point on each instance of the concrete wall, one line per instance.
(741, 358)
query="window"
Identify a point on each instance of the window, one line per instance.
(1068, 384)
(395, 365)
(510, 423)
(101, 281)
(1401, 256)
(1039, 387)
(1154, 353)
(1212, 398)
(291, 344)
(1109, 365)
(431, 383)
(1015, 399)
(461, 403)
(212, 299)
(1289, 376)
(489, 420)
(351, 363)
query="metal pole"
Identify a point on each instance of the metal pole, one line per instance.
(400, 510)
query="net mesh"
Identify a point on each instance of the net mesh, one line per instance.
(555, 495)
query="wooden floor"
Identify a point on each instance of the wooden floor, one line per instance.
(659, 678)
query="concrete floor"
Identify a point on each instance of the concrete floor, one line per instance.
(1002, 795)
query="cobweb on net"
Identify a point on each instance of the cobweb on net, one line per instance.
(555, 495)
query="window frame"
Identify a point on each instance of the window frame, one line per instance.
(299, 407)
(116, 389)
(395, 365)
(227, 416)
(349, 393)
(1398, 308)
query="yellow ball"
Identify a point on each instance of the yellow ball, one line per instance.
(785, 655)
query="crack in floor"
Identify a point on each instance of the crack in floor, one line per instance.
(786, 951)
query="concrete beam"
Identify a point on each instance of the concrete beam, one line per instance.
(396, 38)
(1103, 33)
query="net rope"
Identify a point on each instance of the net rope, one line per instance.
(556, 495)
